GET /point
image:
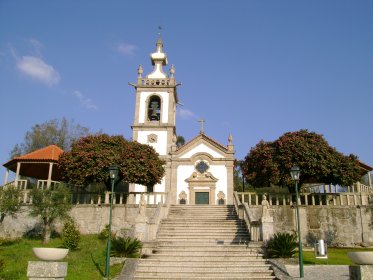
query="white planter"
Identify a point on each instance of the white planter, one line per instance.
(362, 258)
(50, 254)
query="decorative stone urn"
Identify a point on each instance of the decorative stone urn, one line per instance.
(361, 258)
(50, 254)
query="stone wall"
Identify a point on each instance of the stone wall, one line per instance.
(346, 225)
(351, 225)
(90, 219)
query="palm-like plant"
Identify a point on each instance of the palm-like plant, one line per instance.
(126, 247)
(282, 245)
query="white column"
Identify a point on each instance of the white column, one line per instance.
(6, 176)
(17, 172)
(370, 179)
(50, 175)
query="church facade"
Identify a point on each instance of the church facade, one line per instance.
(200, 171)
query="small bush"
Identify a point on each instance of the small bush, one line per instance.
(282, 245)
(70, 235)
(311, 239)
(126, 247)
(2, 265)
(330, 236)
(104, 234)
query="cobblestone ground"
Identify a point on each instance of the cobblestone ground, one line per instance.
(320, 272)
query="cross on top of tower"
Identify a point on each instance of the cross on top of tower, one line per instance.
(202, 123)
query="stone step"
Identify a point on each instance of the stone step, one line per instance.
(204, 265)
(220, 263)
(222, 277)
(171, 269)
(212, 247)
(203, 258)
(211, 274)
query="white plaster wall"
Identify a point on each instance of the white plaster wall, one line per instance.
(142, 110)
(160, 146)
(202, 148)
(157, 187)
(185, 171)
(220, 172)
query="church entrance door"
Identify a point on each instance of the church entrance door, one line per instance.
(202, 198)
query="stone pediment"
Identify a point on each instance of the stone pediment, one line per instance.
(203, 144)
(206, 177)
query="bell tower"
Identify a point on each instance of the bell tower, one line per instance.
(155, 112)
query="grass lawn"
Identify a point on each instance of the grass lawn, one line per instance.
(86, 263)
(336, 256)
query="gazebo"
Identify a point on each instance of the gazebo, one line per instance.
(40, 164)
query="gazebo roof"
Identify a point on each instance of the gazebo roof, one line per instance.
(35, 164)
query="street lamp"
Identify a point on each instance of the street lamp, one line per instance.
(113, 172)
(295, 174)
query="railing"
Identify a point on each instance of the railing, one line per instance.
(308, 199)
(43, 184)
(160, 213)
(20, 184)
(243, 212)
(118, 199)
(156, 82)
(355, 188)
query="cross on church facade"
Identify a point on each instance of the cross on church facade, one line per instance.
(202, 122)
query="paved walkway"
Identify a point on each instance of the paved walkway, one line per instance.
(320, 272)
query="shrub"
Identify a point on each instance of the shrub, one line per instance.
(282, 245)
(70, 235)
(104, 234)
(126, 247)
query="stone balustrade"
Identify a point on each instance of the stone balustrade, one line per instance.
(98, 199)
(355, 188)
(308, 199)
(156, 82)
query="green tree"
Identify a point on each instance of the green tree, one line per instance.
(238, 178)
(91, 156)
(9, 202)
(58, 132)
(180, 141)
(269, 163)
(49, 205)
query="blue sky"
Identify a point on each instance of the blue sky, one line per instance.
(256, 69)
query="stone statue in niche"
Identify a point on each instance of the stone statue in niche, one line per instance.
(265, 207)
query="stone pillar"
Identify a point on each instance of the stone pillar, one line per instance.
(42, 270)
(49, 182)
(361, 272)
(17, 173)
(6, 176)
(267, 228)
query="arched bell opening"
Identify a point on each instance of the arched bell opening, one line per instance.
(154, 108)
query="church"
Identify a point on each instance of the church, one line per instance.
(198, 172)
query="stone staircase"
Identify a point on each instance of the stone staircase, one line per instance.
(203, 242)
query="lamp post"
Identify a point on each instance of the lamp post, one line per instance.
(113, 172)
(295, 174)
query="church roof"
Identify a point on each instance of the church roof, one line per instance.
(202, 136)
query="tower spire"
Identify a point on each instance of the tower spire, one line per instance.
(159, 59)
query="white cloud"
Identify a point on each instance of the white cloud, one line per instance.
(186, 114)
(37, 69)
(84, 101)
(37, 46)
(126, 49)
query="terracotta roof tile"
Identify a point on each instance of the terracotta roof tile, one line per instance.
(51, 152)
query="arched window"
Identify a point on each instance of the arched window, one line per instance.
(154, 108)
